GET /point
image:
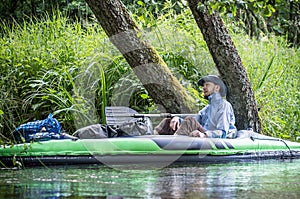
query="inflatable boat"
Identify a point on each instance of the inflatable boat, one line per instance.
(147, 149)
(143, 148)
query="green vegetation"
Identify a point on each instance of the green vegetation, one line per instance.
(255, 17)
(73, 71)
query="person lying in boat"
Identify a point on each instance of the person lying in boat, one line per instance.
(215, 120)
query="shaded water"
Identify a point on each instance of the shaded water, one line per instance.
(258, 179)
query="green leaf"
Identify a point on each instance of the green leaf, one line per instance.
(144, 96)
(141, 3)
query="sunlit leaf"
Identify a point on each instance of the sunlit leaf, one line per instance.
(144, 96)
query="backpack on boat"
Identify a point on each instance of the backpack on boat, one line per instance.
(134, 127)
(96, 131)
(39, 130)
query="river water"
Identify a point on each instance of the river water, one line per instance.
(257, 179)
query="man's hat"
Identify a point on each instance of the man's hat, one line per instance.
(216, 80)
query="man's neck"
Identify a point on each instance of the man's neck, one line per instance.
(214, 96)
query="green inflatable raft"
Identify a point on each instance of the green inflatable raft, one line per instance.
(147, 149)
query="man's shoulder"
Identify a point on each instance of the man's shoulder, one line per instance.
(225, 103)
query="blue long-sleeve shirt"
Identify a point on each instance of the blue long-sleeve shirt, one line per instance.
(217, 118)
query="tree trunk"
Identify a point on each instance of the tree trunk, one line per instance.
(229, 65)
(146, 63)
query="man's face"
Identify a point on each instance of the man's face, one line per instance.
(210, 88)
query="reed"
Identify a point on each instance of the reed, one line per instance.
(274, 71)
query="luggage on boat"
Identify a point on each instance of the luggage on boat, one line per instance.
(134, 127)
(95, 131)
(39, 130)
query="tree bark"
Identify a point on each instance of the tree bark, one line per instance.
(146, 63)
(229, 65)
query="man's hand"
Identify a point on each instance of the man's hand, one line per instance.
(174, 123)
(201, 129)
(197, 133)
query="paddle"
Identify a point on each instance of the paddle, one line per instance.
(116, 115)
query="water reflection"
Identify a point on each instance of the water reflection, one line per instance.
(265, 179)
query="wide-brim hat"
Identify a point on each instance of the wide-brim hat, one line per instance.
(216, 80)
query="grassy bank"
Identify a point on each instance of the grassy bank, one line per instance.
(73, 71)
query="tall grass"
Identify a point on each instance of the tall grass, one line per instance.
(73, 71)
(274, 70)
(43, 68)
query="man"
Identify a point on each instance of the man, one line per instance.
(215, 120)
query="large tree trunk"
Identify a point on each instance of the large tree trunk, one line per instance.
(149, 67)
(229, 65)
